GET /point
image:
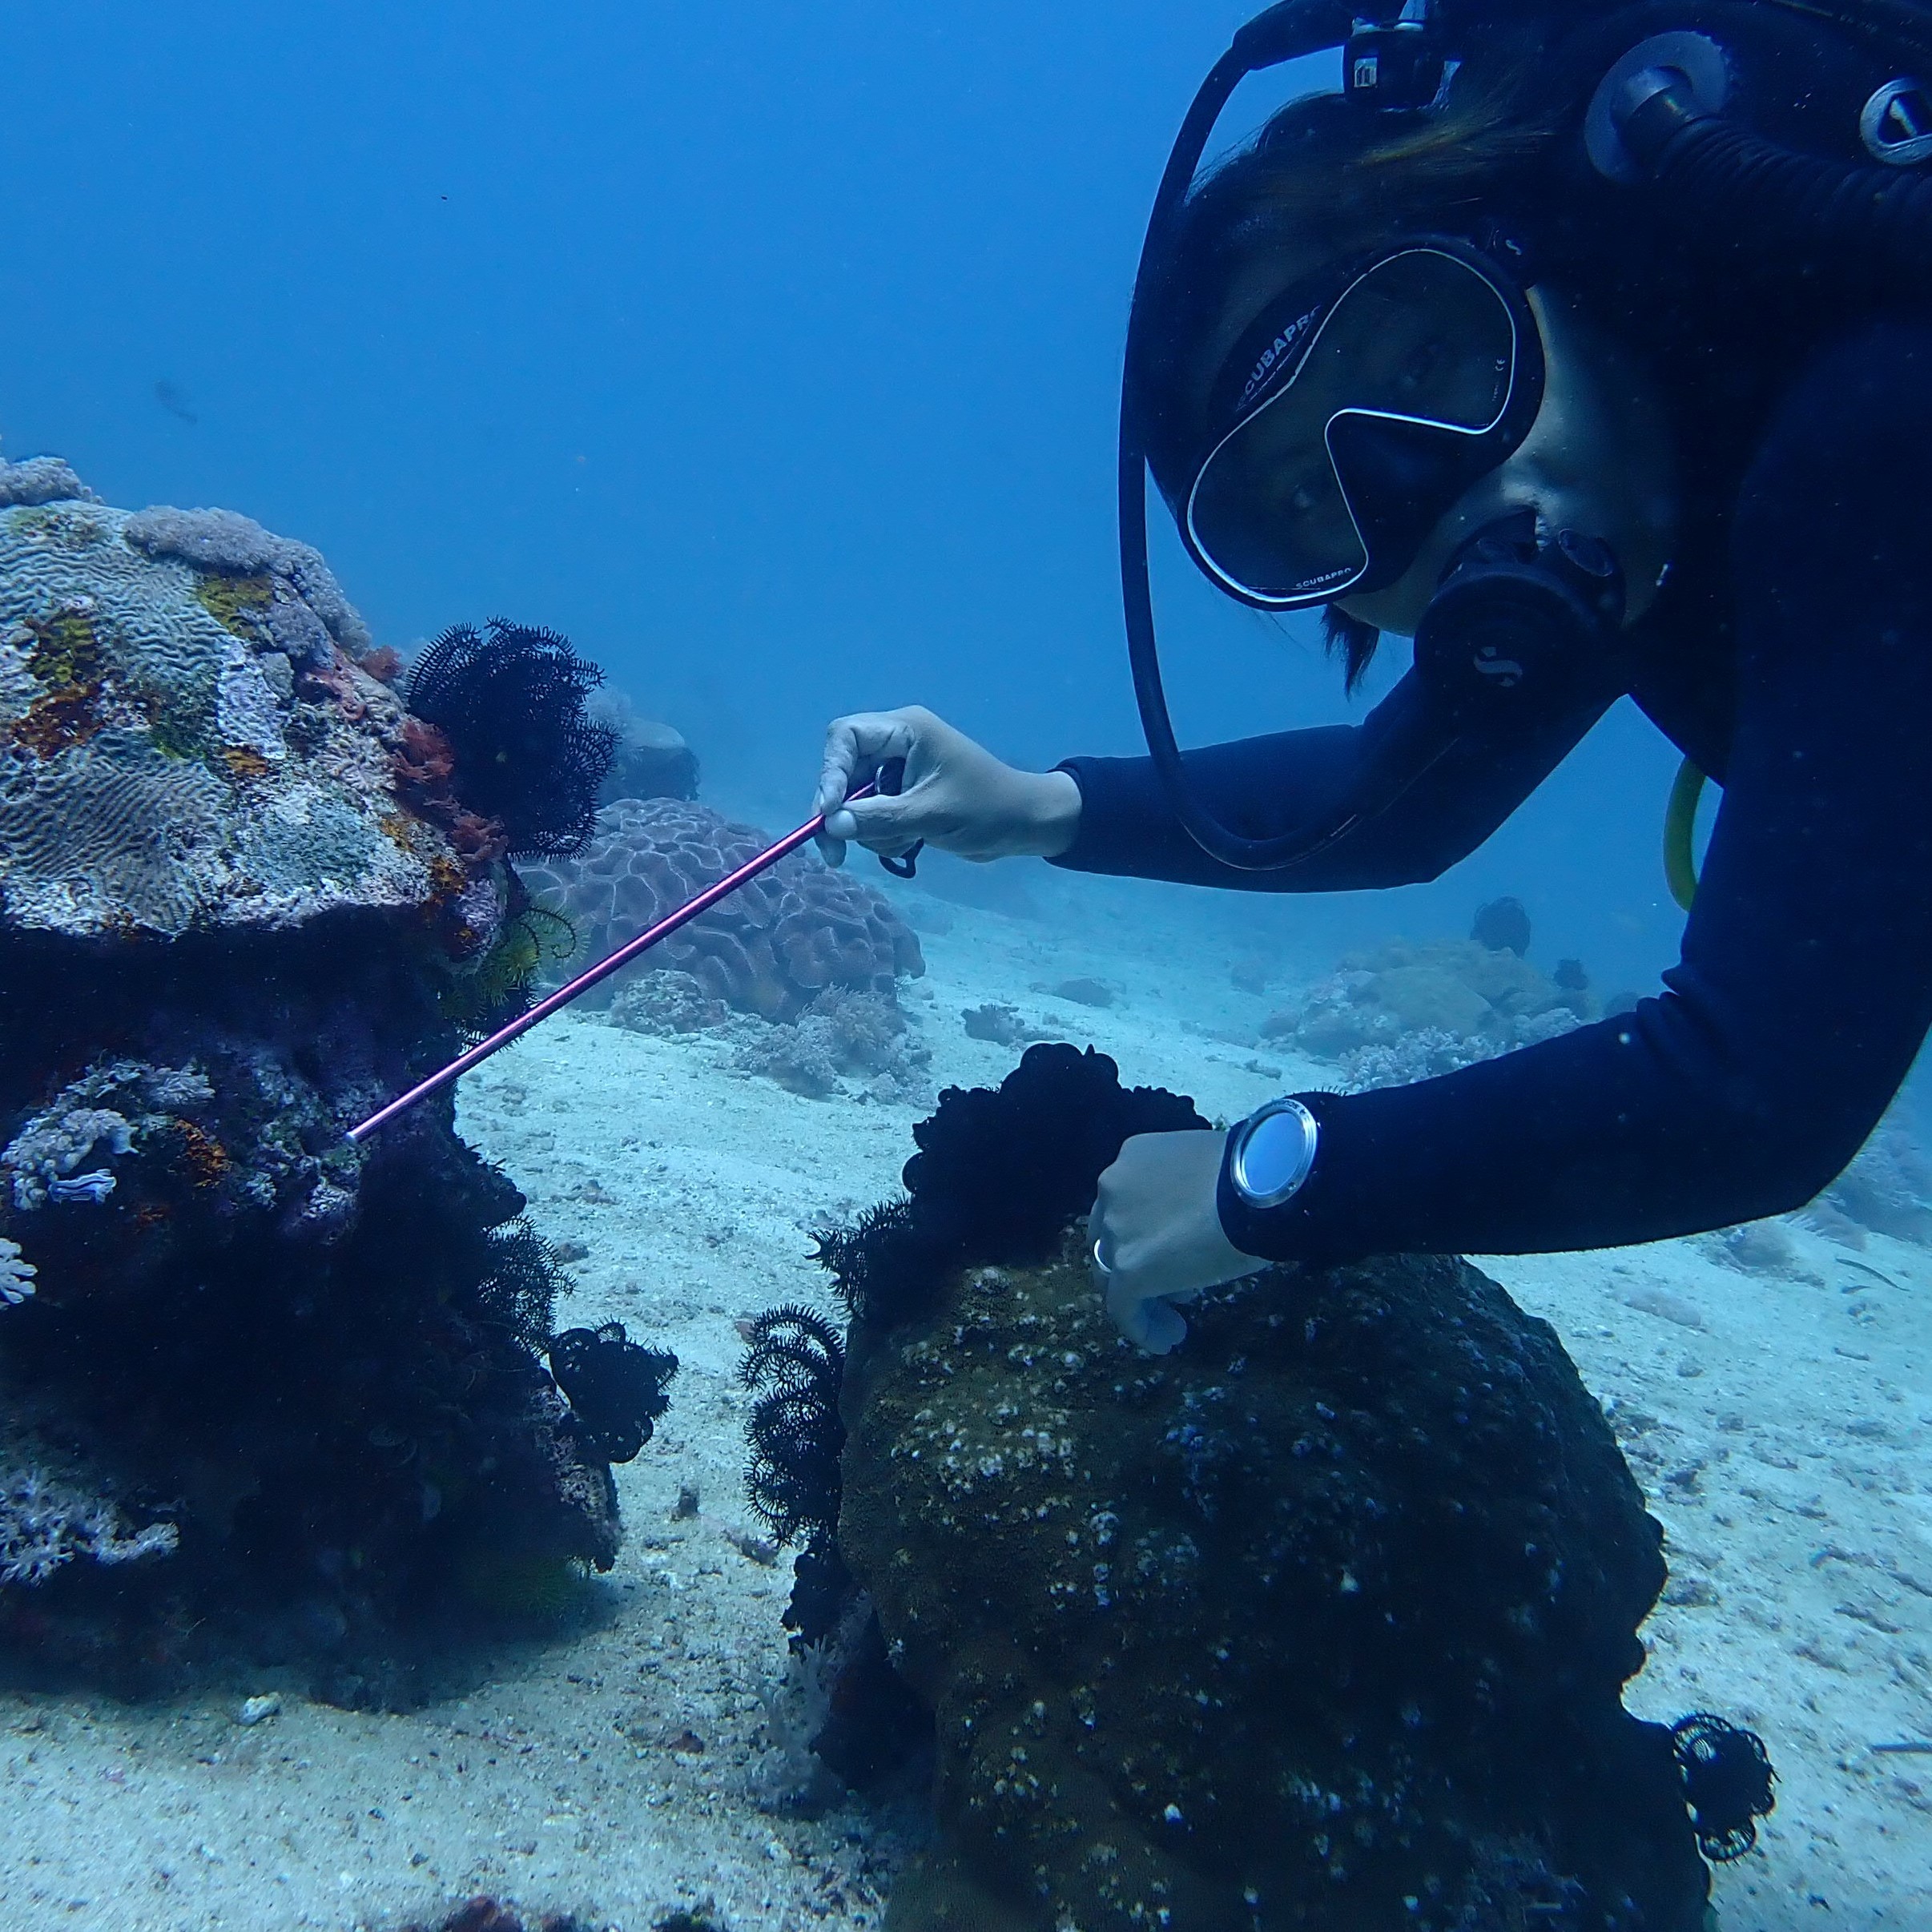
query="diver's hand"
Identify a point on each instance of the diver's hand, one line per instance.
(956, 795)
(1157, 1232)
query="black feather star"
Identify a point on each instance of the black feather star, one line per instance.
(999, 1174)
(615, 1387)
(510, 701)
(794, 1366)
(1727, 1782)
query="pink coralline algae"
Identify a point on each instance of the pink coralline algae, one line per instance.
(768, 949)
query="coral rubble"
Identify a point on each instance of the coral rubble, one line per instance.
(269, 1383)
(1888, 1187)
(769, 949)
(1322, 1621)
(843, 1034)
(1402, 1012)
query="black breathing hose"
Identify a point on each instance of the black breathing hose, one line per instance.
(1768, 200)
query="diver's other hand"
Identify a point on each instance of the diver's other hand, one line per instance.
(1157, 1232)
(956, 795)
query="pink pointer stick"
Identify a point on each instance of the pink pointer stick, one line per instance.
(602, 970)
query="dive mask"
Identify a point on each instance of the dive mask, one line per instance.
(1357, 410)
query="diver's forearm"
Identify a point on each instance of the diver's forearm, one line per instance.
(1052, 814)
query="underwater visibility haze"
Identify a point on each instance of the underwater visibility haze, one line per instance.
(879, 1414)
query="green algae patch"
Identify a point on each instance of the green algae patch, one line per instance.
(62, 527)
(236, 602)
(1321, 1621)
(65, 659)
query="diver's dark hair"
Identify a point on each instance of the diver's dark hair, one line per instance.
(1351, 640)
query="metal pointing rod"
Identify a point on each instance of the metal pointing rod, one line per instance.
(603, 969)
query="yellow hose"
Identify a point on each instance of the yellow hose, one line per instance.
(1680, 824)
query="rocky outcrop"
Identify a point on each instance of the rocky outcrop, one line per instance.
(270, 1377)
(1402, 1012)
(1322, 1620)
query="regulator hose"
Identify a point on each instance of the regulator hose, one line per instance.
(1873, 223)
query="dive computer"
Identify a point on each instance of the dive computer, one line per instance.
(1271, 1152)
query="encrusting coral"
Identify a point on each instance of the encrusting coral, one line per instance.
(768, 949)
(1322, 1620)
(301, 1380)
(294, 589)
(42, 479)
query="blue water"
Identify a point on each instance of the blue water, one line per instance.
(771, 353)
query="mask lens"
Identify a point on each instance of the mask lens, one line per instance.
(1421, 338)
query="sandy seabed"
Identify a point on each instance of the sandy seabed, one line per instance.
(1780, 1425)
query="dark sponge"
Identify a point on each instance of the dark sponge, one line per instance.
(1321, 1622)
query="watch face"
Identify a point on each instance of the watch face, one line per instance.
(1275, 1154)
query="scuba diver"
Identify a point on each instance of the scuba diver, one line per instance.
(1587, 346)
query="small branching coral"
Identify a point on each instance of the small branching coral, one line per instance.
(509, 704)
(16, 1275)
(46, 1523)
(793, 1365)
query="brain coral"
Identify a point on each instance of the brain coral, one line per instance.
(185, 741)
(768, 949)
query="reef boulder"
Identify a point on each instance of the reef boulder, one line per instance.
(1402, 1011)
(248, 1370)
(769, 949)
(1321, 1621)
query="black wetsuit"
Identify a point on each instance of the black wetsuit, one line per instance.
(1805, 983)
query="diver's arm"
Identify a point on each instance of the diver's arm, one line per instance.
(1261, 787)
(1805, 987)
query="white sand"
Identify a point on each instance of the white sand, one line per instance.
(1779, 1427)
